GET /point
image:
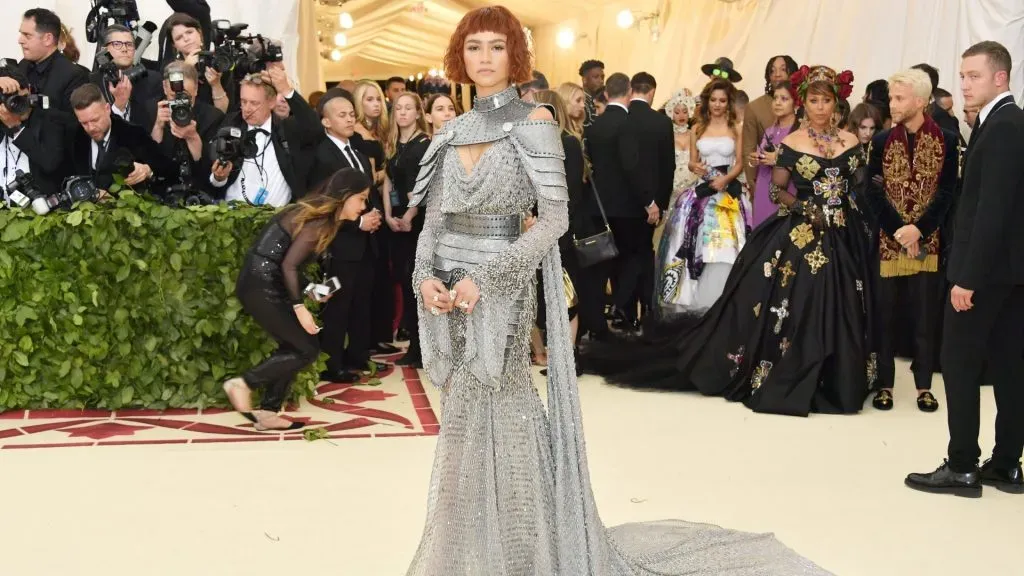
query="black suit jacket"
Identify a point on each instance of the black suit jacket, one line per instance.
(42, 142)
(945, 120)
(289, 136)
(56, 77)
(123, 136)
(988, 241)
(147, 88)
(351, 243)
(208, 121)
(657, 149)
(614, 151)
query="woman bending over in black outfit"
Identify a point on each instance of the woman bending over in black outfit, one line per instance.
(270, 288)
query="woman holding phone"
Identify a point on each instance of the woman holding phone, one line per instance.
(270, 288)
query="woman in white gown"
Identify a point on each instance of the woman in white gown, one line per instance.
(510, 490)
(710, 220)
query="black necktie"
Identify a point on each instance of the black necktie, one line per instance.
(352, 158)
(101, 154)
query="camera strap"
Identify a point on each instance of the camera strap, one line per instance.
(259, 162)
(8, 157)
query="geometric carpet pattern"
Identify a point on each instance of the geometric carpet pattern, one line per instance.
(399, 406)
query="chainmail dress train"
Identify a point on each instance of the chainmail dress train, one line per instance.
(510, 490)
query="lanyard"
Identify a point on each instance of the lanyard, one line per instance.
(8, 157)
(259, 162)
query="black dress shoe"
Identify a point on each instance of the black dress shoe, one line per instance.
(926, 402)
(345, 377)
(883, 400)
(365, 369)
(946, 481)
(1009, 481)
(411, 359)
(385, 349)
(403, 335)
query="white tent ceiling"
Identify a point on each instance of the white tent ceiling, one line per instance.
(409, 36)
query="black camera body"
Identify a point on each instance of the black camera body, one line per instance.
(181, 105)
(18, 104)
(112, 74)
(106, 12)
(232, 144)
(234, 52)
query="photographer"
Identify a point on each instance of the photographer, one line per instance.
(127, 86)
(187, 42)
(197, 10)
(30, 142)
(201, 120)
(270, 175)
(45, 67)
(105, 145)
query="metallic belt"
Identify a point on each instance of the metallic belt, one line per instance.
(484, 225)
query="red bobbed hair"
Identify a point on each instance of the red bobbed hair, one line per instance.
(499, 20)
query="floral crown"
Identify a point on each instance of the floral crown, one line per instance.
(842, 83)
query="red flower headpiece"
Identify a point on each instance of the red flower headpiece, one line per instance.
(842, 83)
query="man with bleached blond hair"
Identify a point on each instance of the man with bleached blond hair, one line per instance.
(913, 177)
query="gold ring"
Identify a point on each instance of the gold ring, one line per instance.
(464, 305)
(436, 298)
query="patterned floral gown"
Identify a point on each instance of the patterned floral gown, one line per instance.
(791, 333)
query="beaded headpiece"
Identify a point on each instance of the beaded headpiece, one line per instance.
(842, 83)
(681, 97)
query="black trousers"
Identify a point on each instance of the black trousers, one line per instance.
(590, 287)
(990, 335)
(296, 348)
(634, 239)
(403, 260)
(916, 300)
(347, 315)
(382, 301)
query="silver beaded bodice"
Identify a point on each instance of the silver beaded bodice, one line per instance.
(510, 490)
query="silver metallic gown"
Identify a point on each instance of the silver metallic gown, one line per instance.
(510, 491)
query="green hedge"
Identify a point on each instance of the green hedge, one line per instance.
(128, 303)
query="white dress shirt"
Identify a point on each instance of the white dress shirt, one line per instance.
(14, 159)
(989, 108)
(124, 114)
(260, 173)
(620, 105)
(96, 149)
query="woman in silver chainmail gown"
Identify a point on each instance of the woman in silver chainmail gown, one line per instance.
(510, 491)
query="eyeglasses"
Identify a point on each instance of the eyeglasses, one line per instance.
(119, 45)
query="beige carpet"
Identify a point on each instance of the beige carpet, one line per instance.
(830, 487)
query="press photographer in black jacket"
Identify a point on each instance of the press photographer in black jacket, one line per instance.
(47, 69)
(188, 38)
(127, 96)
(30, 141)
(273, 173)
(104, 141)
(193, 139)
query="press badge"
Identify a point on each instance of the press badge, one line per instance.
(261, 196)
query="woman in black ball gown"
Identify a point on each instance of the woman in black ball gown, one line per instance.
(791, 333)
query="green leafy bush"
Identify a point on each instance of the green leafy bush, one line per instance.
(129, 303)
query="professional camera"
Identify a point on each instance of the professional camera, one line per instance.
(107, 12)
(184, 193)
(23, 191)
(181, 105)
(112, 74)
(242, 54)
(233, 145)
(77, 189)
(18, 104)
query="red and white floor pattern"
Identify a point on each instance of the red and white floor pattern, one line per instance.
(398, 406)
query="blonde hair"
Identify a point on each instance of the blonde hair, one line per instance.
(553, 99)
(916, 80)
(379, 129)
(567, 91)
(391, 144)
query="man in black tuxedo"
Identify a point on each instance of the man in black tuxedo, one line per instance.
(47, 69)
(103, 140)
(657, 160)
(271, 178)
(984, 323)
(353, 253)
(192, 141)
(627, 195)
(127, 98)
(31, 142)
